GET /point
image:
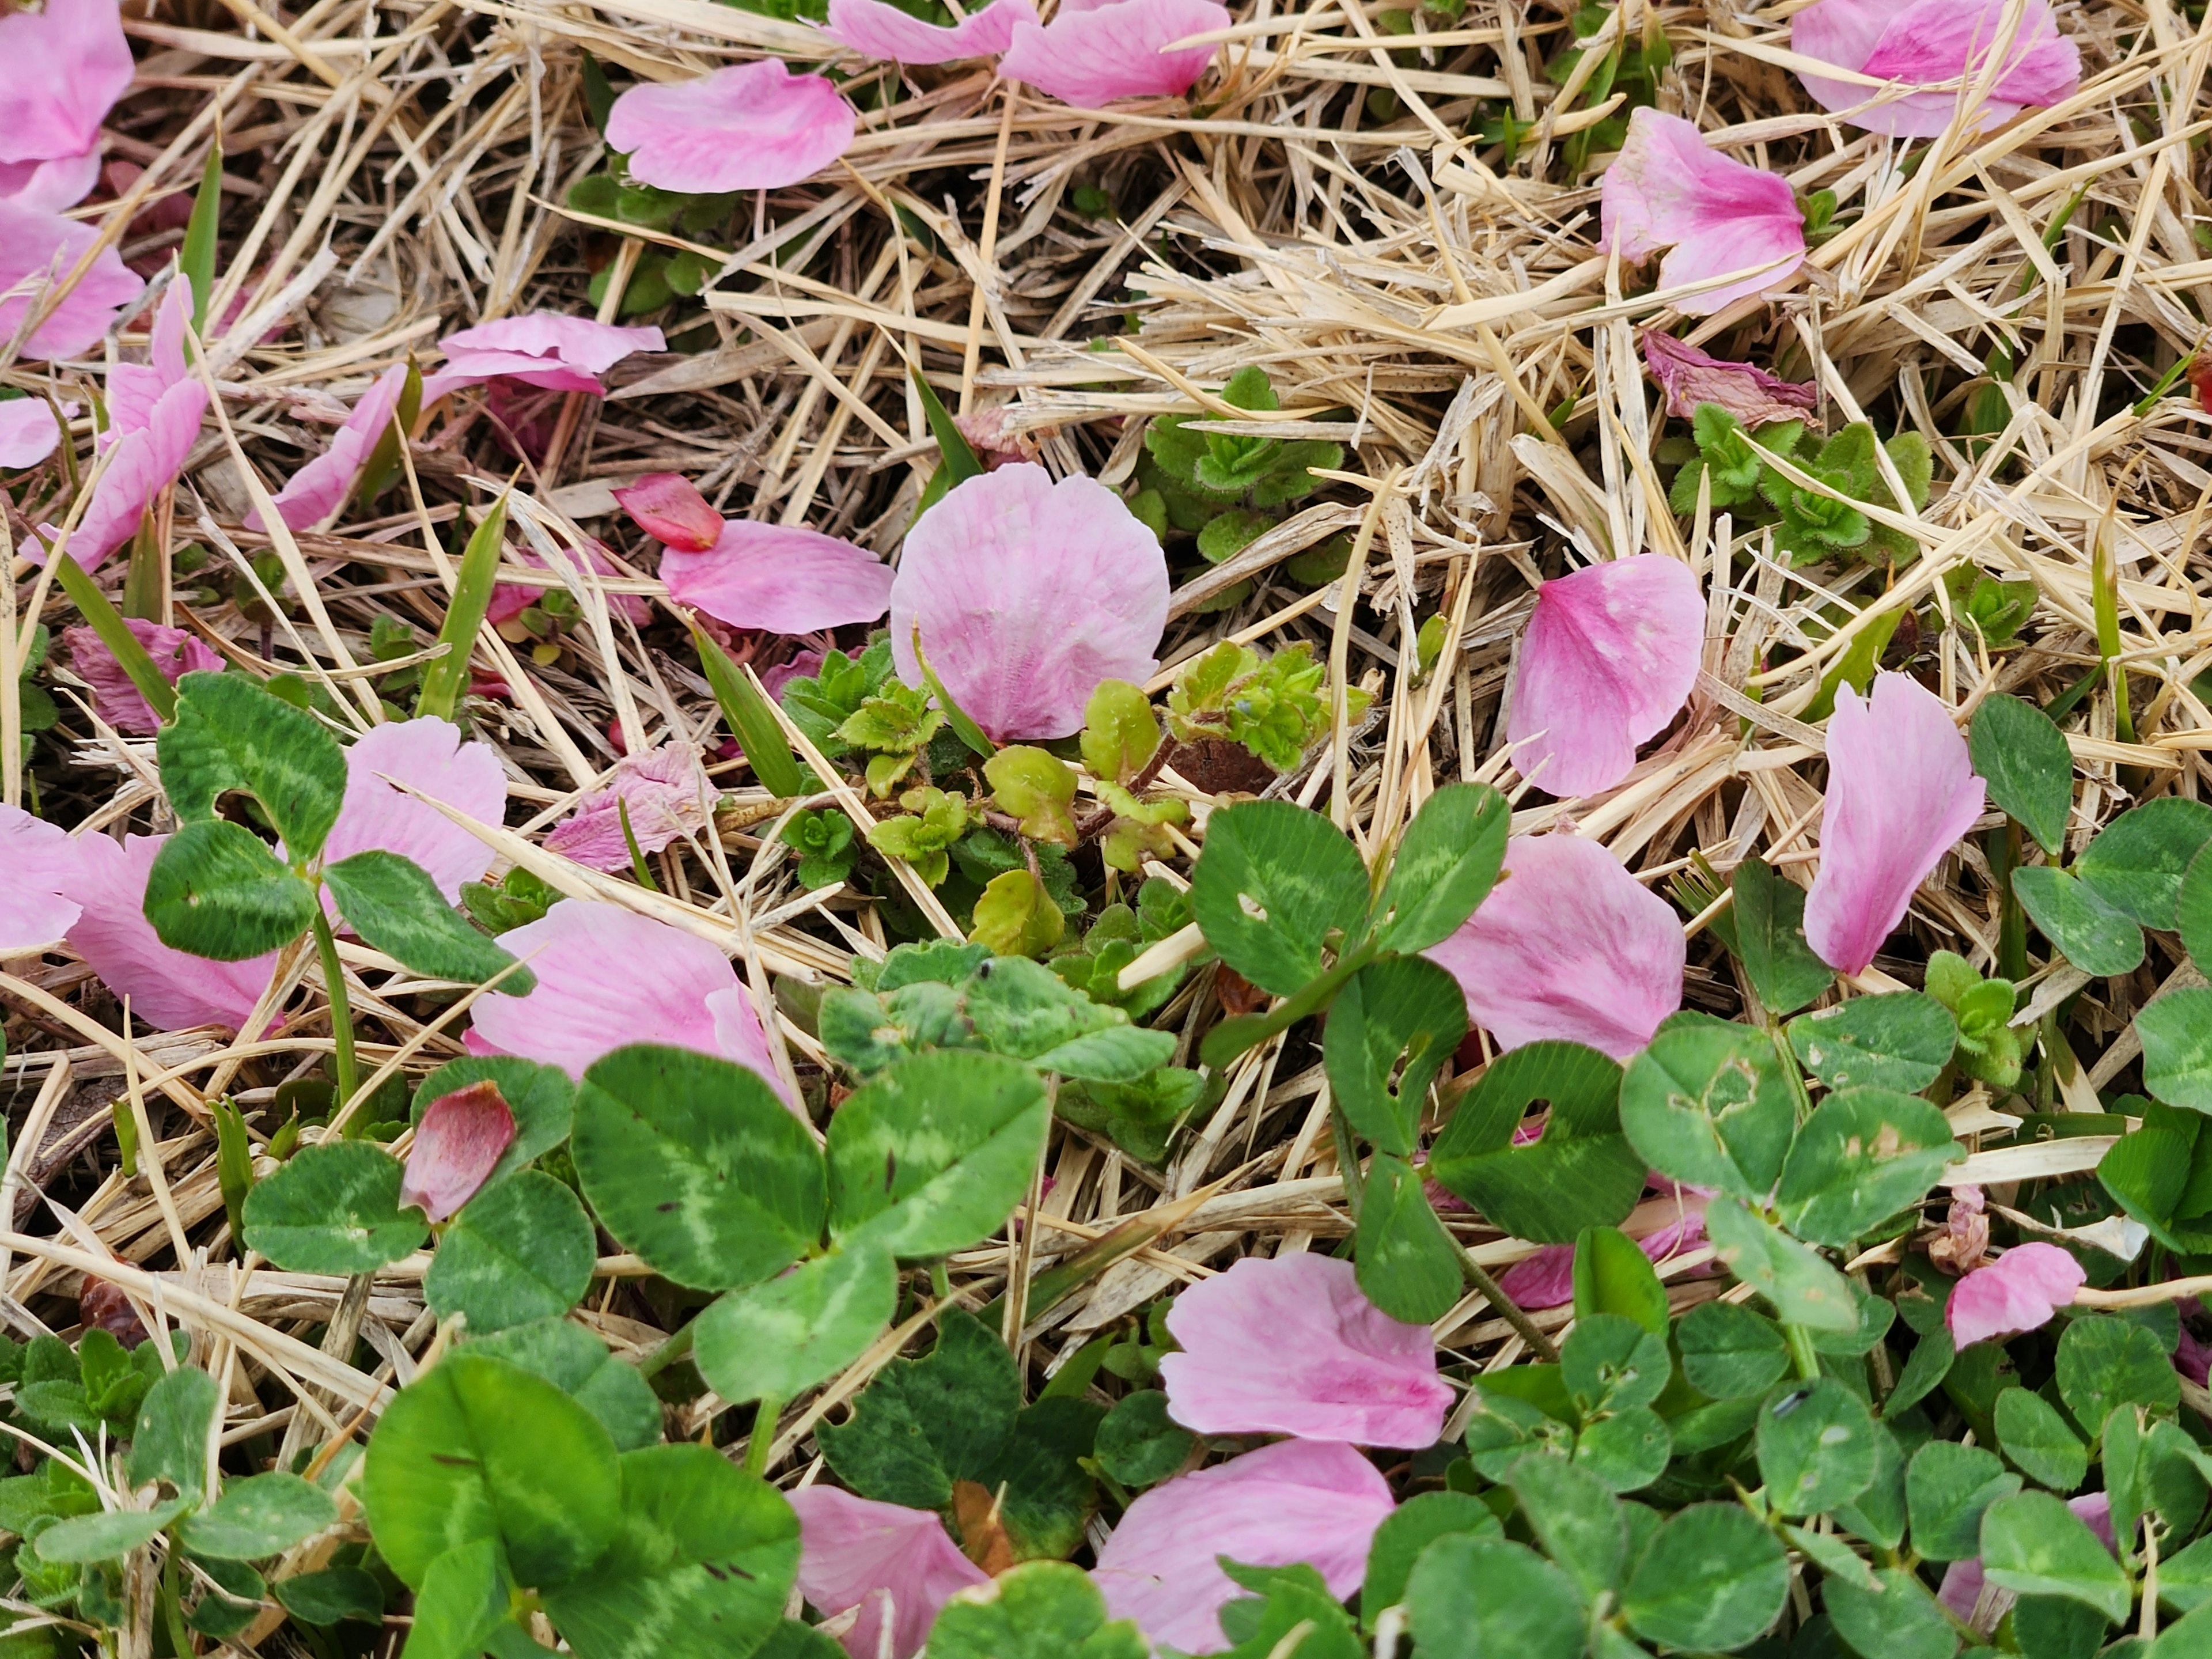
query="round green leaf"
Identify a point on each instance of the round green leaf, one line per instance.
(261, 1516)
(780, 1338)
(229, 733)
(2105, 1362)
(1816, 1447)
(1446, 864)
(2032, 1543)
(1472, 1597)
(1408, 1264)
(1729, 1352)
(1712, 1578)
(1610, 1362)
(2020, 752)
(1898, 1620)
(2177, 1042)
(2041, 1445)
(1138, 1444)
(1578, 1520)
(2094, 934)
(1627, 1450)
(2138, 861)
(520, 1251)
(333, 1209)
(1581, 1173)
(216, 890)
(1409, 1529)
(1039, 1610)
(1274, 881)
(1900, 1041)
(1946, 1487)
(1862, 1156)
(578, 1364)
(325, 1598)
(1708, 1102)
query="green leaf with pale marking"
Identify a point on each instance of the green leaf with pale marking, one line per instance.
(1041, 1610)
(169, 1441)
(2033, 1543)
(231, 734)
(2035, 1437)
(1816, 1446)
(2094, 934)
(216, 890)
(1900, 1040)
(1712, 1578)
(1472, 1597)
(1400, 1009)
(1273, 883)
(2138, 861)
(1447, 862)
(107, 1536)
(1804, 1288)
(1863, 1156)
(1408, 1264)
(395, 906)
(261, 1516)
(577, 1362)
(333, 1209)
(2176, 1031)
(779, 1339)
(519, 1252)
(1946, 1488)
(2022, 755)
(1581, 1172)
(1770, 939)
(1708, 1102)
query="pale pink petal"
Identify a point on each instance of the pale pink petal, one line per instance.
(750, 126)
(668, 507)
(35, 245)
(54, 185)
(2019, 1292)
(510, 599)
(426, 753)
(28, 432)
(1296, 1501)
(1963, 1580)
(545, 349)
(782, 577)
(1289, 1345)
(1901, 791)
(1690, 378)
(67, 64)
(898, 1565)
(168, 990)
(1029, 593)
(1568, 945)
(668, 796)
(1668, 189)
(879, 29)
(42, 864)
(155, 410)
(456, 1146)
(1092, 55)
(314, 493)
(1610, 654)
(1930, 42)
(115, 699)
(804, 666)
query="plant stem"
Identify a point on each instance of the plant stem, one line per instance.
(764, 1435)
(172, 1609)
(2012, 920)
(678, 1346)
(1802, 1354)
(326, 951)
(1506, 1308)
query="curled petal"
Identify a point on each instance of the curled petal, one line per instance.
(42, 864)
(37, 247)
(1090, 55)
(1668, 189)
(28, 432)
(668, 796)
(2019, 1292)
(1690, 377)
(898, 1565)
(1291, 1345)
(67, 64)
(1927, 43)
(457, 1144)
(668, 507)
(1610, 654)
(145, 462)
(1568, 945)
(750, 126)
(1901, 791)
(115, 699)
(313, 494)
(782, 579)
(879, 29)
(426, 753)
(544, 348)
(510, 599)
(168, 989)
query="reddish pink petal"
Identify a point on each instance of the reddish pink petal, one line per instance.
(545, 349)
(1610, 654)
(782, 579)
(510, 599)
(1291, 1345)
(315, 493)
(1028, 594)
(1307, 1501)
(2019, 1292)
(1568, 945)
(1668, 189)
(750, 126)
(67, 64)
(804, 666)
(51, 185)
(42, 864)
(882, 30)
(898, 1565)
(115, 699)
(669, 506)
(28, 432)
(168, 990)
(36, 246)
(456, 1145)
(426, 753)
(1925, 42)
(1690, 377)
(668, 795)
(2193, 1358)
(1901, 791)
(1089, 56)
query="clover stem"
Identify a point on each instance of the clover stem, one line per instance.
(764, 1435)
(326, 951)
(1505, 1307)
(1801, 1352)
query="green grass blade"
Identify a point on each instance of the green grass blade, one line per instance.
(198, 260)
(106, 622)
(961, 462)
(767, 749)
(444, 678)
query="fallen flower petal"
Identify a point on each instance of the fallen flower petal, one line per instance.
(668, 796)
(782, 579)
(750, 126)
(425, 753)
(668, 507)
(312, 495)
(898, 1565)
(37, 247)
(880, 29)
(28, 432)
(1690, 377)
(457, 1143)
(1668, 189)
(1291, 1345)
(42, 864)
(1901, 791)
(1929, 42)
(1028, 594)
(67, 64)
(2019, 1292)
(510, 599)
(1307, 1501)
(169, 989)
(115, 698)
(1568, 945)
(545, 349)
(1610, 656)
(1092, 54)
(54, 185)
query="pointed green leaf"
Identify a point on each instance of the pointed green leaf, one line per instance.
(397, 908)
(2023, 757)
(445, 679)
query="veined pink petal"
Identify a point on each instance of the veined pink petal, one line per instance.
(457, 1144)
(510, 599)
(168, 990)
(67, 64)
(750, 126)
(426, 753)
(1963, 1580)
(879, 29)
(1929, 42)
(115, 699)
(1668, 189)
(606, 977)
(1310, 1501)
(668, 507)
(61, 182)
(42, 864)
(1090, 55)
(1568, 945)
(782, 577)
(668, 796)
(898, 1565)
(28, 432)
(2019, 1292)
(1901, 791)
(544, 348)
(36, 246)
(1028, 594)
(146, 462)
(1290, 1345)
(1546, 1279)
(1610, 654)
(311, 495)
(1690, 377)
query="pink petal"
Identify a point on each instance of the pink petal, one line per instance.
(1901, 791)
(750, 126)
(2019, 1292)
(1029, 593)
(668, 796)
(1089, 56)
(607, 977)
(1610, 654)
(313, 494)
(669, 506)
(28, 432)
(782, 578)
(898, 1565)
(804, 666)
(154, 408)
(426, 753)
(1668, 189)
(510, 599)
(1290, 1346)
(35, 245)
(1568, 945)
(1315, 1502)
(1690, 377)
(67, 64)
(545, 349)
(1923, 42)
(42, 864)
(53, 185)
(2193, 1358)
(1546, 1279)
(115, 699)
(457, 1144)
(168, 990)
(882, 30)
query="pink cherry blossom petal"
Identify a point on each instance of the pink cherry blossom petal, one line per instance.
(36, 246)
(1610, 654)
(1690, 378)
(67, 64)
(898, 1565)
(1668, 189)
(457, 1144)
(168, 990)
(668, 507)
(1568, 945)
(545, 349)
(54, 185)
(750, 126)
(28, 432)
(2019, 1292)
(1291, 1345)
(1090, 55)
(1901, 791)
(782, 579)
(42, 864)
(426, 753)
(115, 697)
(879, 29)
(1310, 1501)
(1028, 594)
(313, 495)
(1929, 42)
(510, 599)
(668, 796)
